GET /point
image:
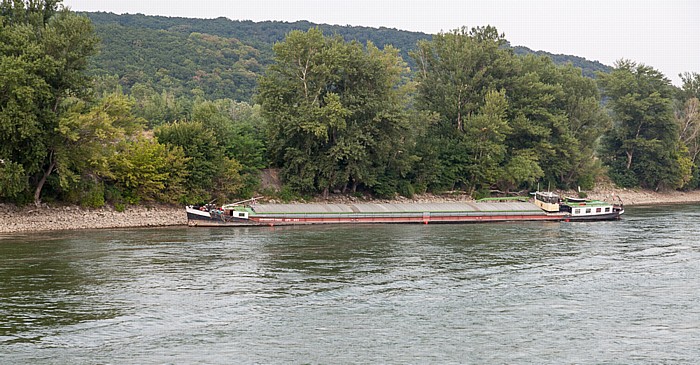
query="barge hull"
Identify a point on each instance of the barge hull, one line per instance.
(421, 218)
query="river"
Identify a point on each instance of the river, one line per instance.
(625, 292)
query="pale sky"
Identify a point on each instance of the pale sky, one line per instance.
(663, 34)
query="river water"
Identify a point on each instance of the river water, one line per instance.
(625, 292)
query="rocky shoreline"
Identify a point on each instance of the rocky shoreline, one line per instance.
(46, 218)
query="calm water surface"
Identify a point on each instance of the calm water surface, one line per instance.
(624, 292)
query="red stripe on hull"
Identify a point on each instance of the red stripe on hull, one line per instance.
(421, 220)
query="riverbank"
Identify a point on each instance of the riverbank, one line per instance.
(47, 218)
(646, 197)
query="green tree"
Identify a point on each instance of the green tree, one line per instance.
(210, 173)
(43, 53)
(241, 132)
(557, 120)
(335, 111)
(159, 108)
(688, 119)
(145, 170)
(457, 69)
(458, 78)
(87, 135)
(643, 147)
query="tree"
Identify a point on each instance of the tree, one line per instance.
(688, 119)
(643, 146)
(87, 135)
(462, 78)
(210, 173)
(557, 120)
(145, 170)
(457, 69)
(240, 131)
(43, 53)
(335, 112)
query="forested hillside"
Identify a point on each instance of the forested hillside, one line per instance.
(223, 57)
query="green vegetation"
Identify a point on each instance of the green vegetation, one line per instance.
(133, 109)
(644, 147)
(222, 58)
(336, 113)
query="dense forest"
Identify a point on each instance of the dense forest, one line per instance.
(124, 109)
(223, 58)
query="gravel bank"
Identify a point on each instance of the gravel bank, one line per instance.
(13, 219)
(647, 197)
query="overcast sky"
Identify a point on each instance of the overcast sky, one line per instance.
(663, 34)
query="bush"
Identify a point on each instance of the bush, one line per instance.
(287, 194)
(120, 207)
(406, 189)
(624, 178)
(145, 170)
(587, 182)
(92, 195)
(481, 194)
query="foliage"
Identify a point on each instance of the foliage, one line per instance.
(687, 114)
(240, 131)
(43, 53)
(335, 112)
(557, 115)
(12, 179)
(210, 173)
(87, 136)
(145, 170)
(459, 73)
(503, 120)
(588, 68)
(222, 58)
(643, 147)
(176, 63)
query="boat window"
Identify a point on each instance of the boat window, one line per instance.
(550, 199)
(598, 210)
(588, 210)
(577, 211)
(607, 210)
(241, 214)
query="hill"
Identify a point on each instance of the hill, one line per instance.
(223, 57)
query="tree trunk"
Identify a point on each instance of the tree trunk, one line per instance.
(40, 185)
(629, 159)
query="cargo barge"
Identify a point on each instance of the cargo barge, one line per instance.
(424, 213)
(250, 213)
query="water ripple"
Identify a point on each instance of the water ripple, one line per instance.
(525, 293)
